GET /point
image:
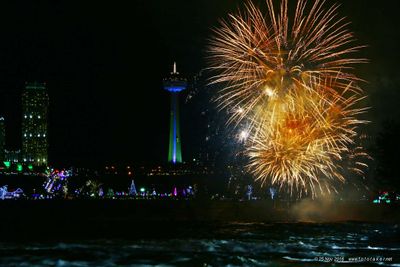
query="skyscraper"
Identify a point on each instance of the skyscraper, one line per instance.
(174, 84)
(35, 102)
(2, 139)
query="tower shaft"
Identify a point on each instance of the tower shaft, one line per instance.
(174, 84)
(174, 152)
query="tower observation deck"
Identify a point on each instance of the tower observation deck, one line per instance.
(174, 84)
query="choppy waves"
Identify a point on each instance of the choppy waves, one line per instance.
(234, 244)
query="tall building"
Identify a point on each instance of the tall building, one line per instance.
(174, 84)
(35, 102)
(200, 116)
(12, 156)
(2, 139)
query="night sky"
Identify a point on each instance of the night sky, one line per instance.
(104, 63)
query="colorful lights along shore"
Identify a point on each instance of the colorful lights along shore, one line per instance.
(174, 84)
(291, 80)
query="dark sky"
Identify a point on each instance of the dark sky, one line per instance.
(104, 62)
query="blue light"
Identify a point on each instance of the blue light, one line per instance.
(175, 89)
(174, 142)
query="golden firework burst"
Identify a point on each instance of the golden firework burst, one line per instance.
(259, 56)
(304, 139)
(291, 81)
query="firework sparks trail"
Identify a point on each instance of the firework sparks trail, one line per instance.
(306, 144)
(292, 81)
(258, 57)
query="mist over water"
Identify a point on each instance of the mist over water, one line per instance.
(323, 209)
(235, 244)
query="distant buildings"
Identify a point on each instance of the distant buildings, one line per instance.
(210, 138)
(35, 102)
(12, 156)
(198, 101)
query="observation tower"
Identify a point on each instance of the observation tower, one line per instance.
(174, 84)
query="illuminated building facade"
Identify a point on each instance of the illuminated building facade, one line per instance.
(174, 84)
(35, 102)
(2, 139)
(12, 156)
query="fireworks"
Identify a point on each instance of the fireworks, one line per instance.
(260, 57)
(306, 142)
(292, 82)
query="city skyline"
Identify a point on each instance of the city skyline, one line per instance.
(104, 71)
(210, 133)
(33, 149)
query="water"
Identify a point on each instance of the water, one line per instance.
(233, 244)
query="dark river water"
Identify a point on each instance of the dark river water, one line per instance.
(231, 244)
